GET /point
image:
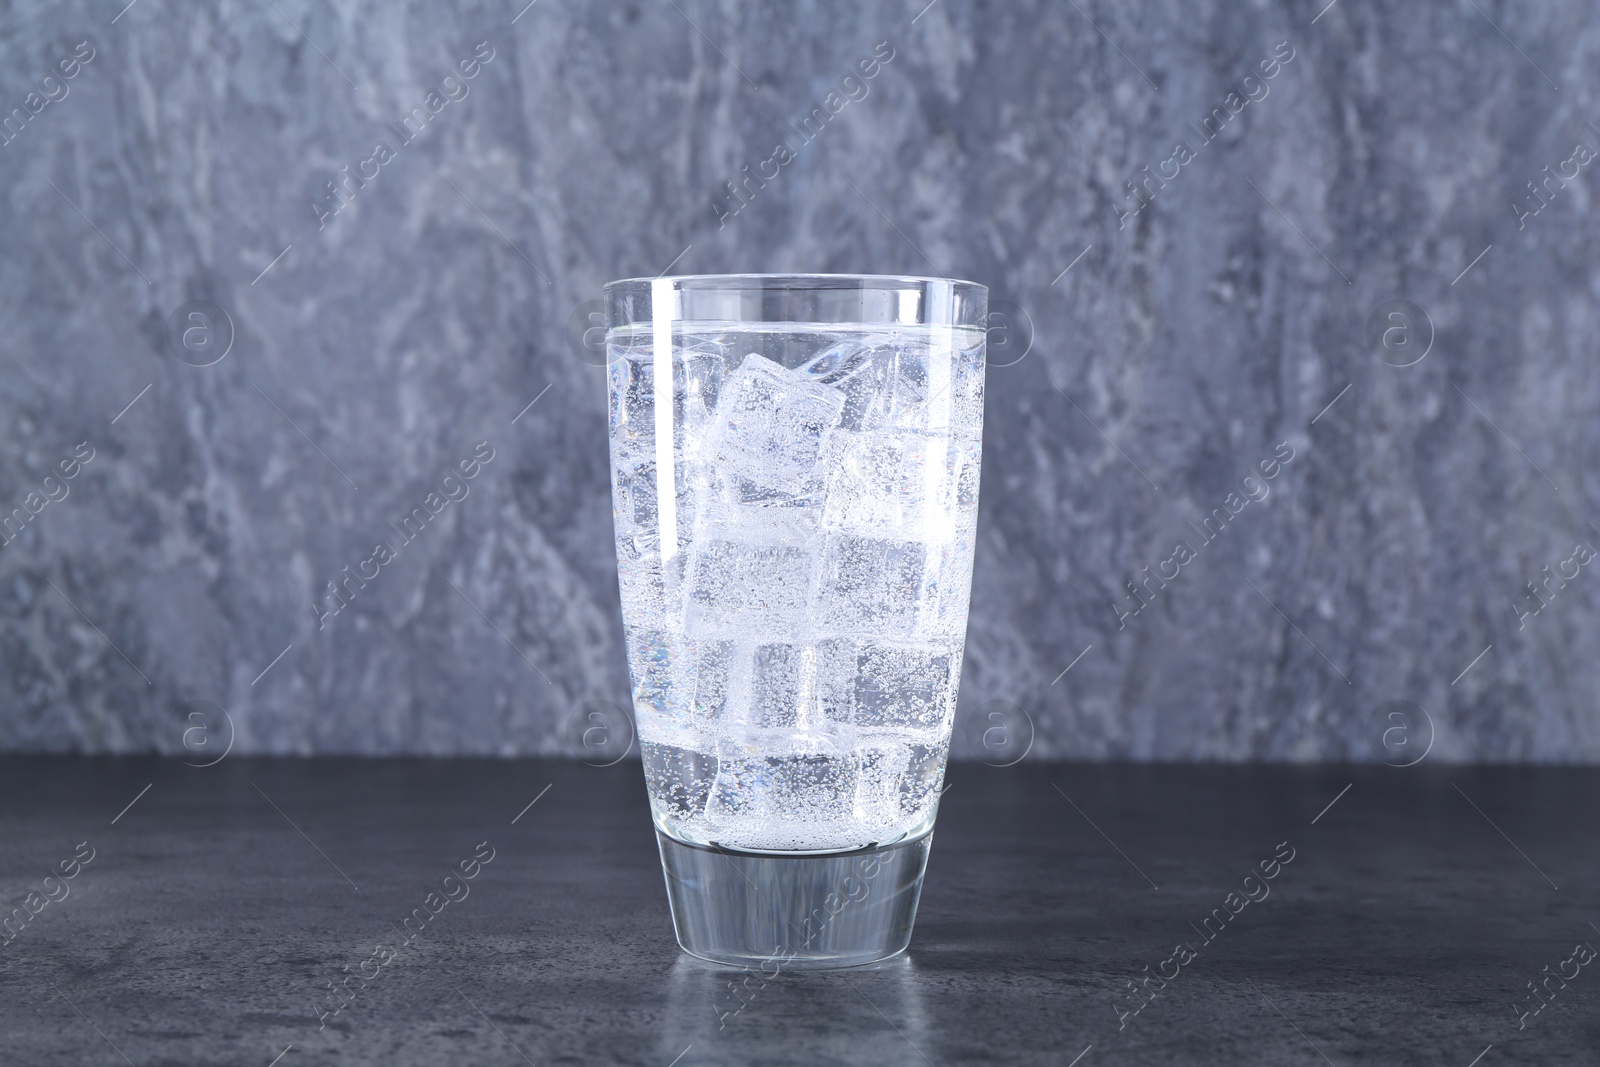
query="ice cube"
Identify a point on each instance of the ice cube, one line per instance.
(835, 683)
(637, 503)
(777, 776)
(909, 687)
(648, 586)
(913, 398)
(803, 687)
(714, 664)
(965, 460)
(679, 779)
(889, 393)
(661, 665)
(845, 359)
(639, 579)
(776, 679)
(966, 392)
(920, 783)
(729, 498)
(770, 423)
(946, 589)
(698, 373)
(879, 769)
(680, 686)
(746, 582)
(633, 401)
(656, 657)
(875, 481)
(870, 585)
(634, 504)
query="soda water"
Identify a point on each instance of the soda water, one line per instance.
(794, 545)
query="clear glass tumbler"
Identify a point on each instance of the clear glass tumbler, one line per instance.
(794, 465)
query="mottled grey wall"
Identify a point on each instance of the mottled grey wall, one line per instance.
(374, 348)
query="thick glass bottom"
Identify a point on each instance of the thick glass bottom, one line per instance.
(802, 911)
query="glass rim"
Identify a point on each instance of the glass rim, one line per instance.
(828, 299)
(800, 281)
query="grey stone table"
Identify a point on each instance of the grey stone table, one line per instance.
(210, 909)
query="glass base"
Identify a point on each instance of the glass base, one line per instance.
(802, 911)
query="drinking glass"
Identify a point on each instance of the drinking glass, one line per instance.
(794, 464)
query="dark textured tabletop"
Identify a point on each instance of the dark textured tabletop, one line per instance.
(1425, 915)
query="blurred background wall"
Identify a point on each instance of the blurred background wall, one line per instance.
(1350, 244)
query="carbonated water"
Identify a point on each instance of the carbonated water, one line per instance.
(794, 522)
